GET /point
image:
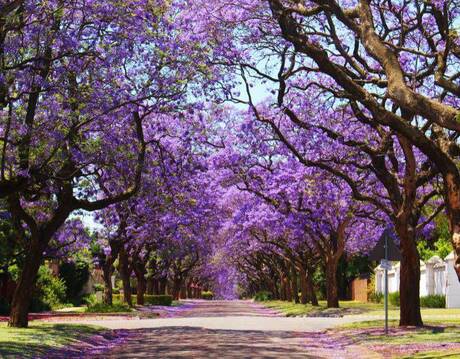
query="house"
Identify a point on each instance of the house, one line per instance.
(437, 276)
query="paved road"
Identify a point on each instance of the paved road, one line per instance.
(228, 329)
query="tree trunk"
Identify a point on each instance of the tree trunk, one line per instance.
(409, 285)
(107, 271)
(162, 283)
(24, 289)
(332, 292)
(156, 287)
(141, 286)
(288, 289)
(149, 289)
(177, 283)
(311, 289)
(282, 289)
(125, 276)
(303, 285)
(452, 199)
(183, 292)
(189, 290)
(295, 289)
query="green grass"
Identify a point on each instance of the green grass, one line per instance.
(346, 307)
(71, 310)
(40, 338)
(370, 333)
(434, 355)
(104, 308)
(353, 307)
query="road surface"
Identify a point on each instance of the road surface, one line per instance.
(229, 329)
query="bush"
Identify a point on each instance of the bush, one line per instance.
(50, 292)
(393, 298)
(4, 307)
(165, 300)
(75, 275)
(104, 308)
(89, 299)
(158, 300)
(98, 287)
(262, 296)
(433, 301)
(208, 295)
(375, 297)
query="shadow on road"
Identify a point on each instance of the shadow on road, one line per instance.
(186, 342)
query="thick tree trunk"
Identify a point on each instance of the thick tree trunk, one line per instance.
(303, 285)
(177, 283)
(295, 289)
(107, 271)
(141, 287)
(125, 276)
(282, 289)
(409, 285)
(26, 283)
(332, 292)
(452, 199)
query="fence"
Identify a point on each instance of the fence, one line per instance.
(437, 276)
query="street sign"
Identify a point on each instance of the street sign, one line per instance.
(393, 252)
(385, 251)
(386, 264)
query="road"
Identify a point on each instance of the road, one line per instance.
(228, 329)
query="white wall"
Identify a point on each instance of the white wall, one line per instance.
(423, 283)
(437, 276)
(453, 285)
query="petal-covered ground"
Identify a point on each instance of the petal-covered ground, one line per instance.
(242, 329)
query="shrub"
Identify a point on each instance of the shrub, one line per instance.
(262, 296)
(50, 291)
(433, 301)
(4, 307)
(104, 308)
(208, 295)
(165, 300)
(75, 275)
(375, 297)
(393, 298)
(98, 287)
(158, 300)
(89, 299)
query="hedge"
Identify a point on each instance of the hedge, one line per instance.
(262, 296)
(104, 308)
(148, 299)
(429, 301)
(207, 295)
(433, 301)
(394, 299)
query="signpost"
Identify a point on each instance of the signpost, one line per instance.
(385, 251)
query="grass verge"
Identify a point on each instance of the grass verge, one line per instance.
(104, 308)
(353, 307)
(40, 338)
